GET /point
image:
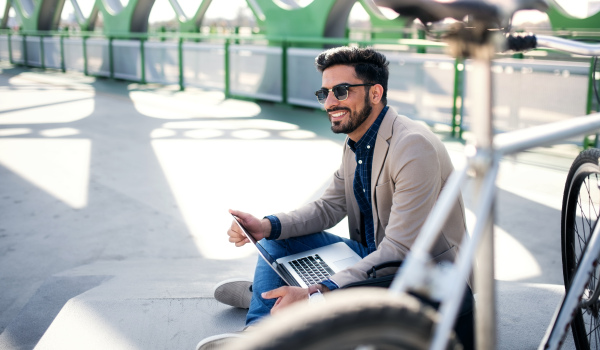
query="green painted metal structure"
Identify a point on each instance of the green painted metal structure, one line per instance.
(319, 19)
(37, 14)
(44, 15)
(561, 20)
(283, 23)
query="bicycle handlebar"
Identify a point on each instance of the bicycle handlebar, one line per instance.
(528, 42)
(570, 46)
(521, 43)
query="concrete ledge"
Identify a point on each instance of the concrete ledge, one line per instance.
(524, 312)
(143, 304)
(166, 323)
(168, 304)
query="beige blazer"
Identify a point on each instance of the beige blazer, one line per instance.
(410, 167)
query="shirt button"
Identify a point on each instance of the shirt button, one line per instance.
(368, 146)
(364, 190)
(360, 162)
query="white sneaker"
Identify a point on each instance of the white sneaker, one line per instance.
(217, 341)
(236, 292)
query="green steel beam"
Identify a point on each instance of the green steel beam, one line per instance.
(86, 23)
(323, 18)
(383, 27)
(38, 14)
(283, 18)
(190, 25)
(119, 19)
(4, 21)
(560, 20)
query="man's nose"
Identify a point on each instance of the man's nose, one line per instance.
(331, 100)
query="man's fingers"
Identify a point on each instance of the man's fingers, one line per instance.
(239, 214)
(275, 293)
(238, 241)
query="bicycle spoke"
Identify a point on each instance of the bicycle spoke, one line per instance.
(593, 330)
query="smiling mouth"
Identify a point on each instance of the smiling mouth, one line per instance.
(337, 115)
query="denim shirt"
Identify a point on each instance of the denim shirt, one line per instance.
(364, 150)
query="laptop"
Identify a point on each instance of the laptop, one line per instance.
(309, 267)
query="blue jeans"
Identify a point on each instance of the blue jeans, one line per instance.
(265, 279)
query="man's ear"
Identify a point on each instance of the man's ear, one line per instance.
(376, 93)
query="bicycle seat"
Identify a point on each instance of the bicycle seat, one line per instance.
(494, 11)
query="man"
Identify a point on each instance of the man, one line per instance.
(391, 175)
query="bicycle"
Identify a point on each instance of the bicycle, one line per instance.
(395, 318)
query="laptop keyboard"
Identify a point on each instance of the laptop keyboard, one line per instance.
(312, 269)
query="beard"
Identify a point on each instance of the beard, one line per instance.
(355, 119)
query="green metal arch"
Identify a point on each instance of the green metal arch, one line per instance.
(281, 18)
(190, 24)
(560, 20)
(318, 19)
(86, 23)
(43, 14)
(325, 18)
(380, 22)
(133, 17)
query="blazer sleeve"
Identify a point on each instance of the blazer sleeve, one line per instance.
(319, 215)
(415, 172)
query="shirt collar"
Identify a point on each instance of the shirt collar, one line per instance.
(368, 138)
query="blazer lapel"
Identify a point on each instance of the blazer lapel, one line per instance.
(381, 150)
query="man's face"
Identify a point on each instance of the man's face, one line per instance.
(345, 116)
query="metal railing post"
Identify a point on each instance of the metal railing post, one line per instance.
(457, 96)
(180, 54)
(587, 143)
(227, 72)
(42, 58)
(284, 64)
(85, 60)
(111, 64)
(63, 64)
(10, 58)
(142, 62)
(24, 43)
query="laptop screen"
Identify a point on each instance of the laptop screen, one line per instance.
(262, 251)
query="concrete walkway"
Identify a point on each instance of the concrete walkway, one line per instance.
(114, 198)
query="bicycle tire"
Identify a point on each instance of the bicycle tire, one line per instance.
(363, 318)
(579, 215)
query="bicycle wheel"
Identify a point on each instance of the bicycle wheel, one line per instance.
(360, 319)
(579, 216)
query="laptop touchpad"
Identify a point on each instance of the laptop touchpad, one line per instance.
(342, 264)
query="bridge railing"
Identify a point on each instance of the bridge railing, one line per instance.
(424, 83)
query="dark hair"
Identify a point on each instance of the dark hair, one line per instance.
(370, 66)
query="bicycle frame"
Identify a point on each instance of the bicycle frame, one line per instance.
(483, 157)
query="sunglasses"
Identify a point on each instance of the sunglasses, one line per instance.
(339, 91)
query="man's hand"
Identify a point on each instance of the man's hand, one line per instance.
(259, 229)
(285, 296)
